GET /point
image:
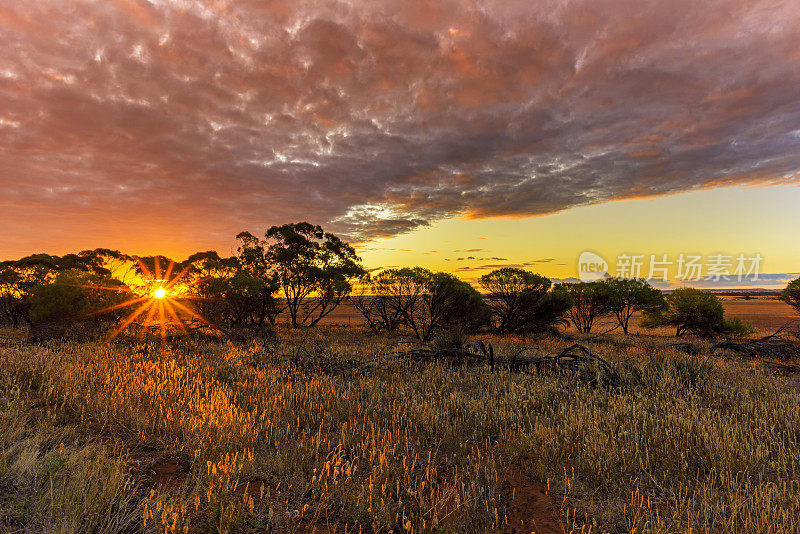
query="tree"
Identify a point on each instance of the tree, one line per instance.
(421, 301)
(542, 311)
(13, 296)
(441, 301)
(629, 295)
(589, 301)
(226, 294)
(19, 277)
(396, 296)
(453, 303)
(236, 301)
(119, 265)
(383, 298)
(313, 269)
(697, 312)
(521, 301)
(508, 291)
(791, 294)
(76, 303)
(152, 272)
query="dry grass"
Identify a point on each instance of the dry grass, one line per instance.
(224, 438)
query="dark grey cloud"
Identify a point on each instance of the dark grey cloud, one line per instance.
(473, 258)
(490, 266)
(189, 121)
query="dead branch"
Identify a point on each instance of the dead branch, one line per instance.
(772, 346)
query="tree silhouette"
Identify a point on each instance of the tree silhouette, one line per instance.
(520, 300)
(628, 295)
(791, 294)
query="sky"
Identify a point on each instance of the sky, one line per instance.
(510, 132)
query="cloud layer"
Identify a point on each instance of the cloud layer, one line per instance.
(198, 119)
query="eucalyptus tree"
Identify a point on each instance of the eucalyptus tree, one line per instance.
(627, 296)
(510, 292)
(314, 270)
(589, 301)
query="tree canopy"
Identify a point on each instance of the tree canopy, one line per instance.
(313, 269)
(507, 289)
(791, 294)
(520, 300)
(422, 302)
(76, 303)
(588, 301)
(627, 296)
(694, 311)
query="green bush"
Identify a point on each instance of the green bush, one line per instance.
(422, 302)
(791, 294)
(76, 304)
(684, 370)
(521, 302)
(737, 328)
(696, 312)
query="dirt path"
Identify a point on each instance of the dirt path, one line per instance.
(528, 508)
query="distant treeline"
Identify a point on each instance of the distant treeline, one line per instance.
(303, 273)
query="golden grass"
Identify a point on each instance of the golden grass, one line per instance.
(226, 438)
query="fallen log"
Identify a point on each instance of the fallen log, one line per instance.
(771, 346)
(576, 359)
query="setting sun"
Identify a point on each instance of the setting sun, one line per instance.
(160, 293)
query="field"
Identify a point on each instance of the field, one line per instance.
(292, 434)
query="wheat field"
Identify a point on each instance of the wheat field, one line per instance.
(274, 436)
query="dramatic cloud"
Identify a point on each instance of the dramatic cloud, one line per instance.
(195, 119)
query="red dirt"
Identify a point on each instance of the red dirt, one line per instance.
(528, 507)
(167, 473)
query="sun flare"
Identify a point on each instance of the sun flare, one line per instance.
(160, 293)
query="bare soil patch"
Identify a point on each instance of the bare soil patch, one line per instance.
(529, 509)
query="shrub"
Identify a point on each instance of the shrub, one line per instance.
(506, 289)
(19, 277)
(76, 304)
(240, 300)
(588, 302)
(452, 303)
(697, 312)
(520, 301)
(542, 311)
(423, 302)
(737, 328)
(791, 294)
(629, 295)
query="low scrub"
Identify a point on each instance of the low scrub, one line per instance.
(232, 438)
